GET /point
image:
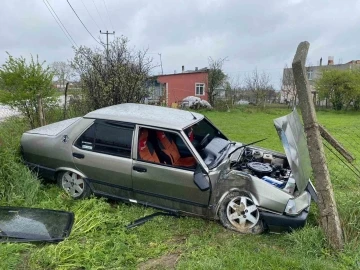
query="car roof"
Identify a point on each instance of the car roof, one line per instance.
(147, 115)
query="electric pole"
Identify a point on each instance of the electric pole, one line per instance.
(162, 72)
(107, 40)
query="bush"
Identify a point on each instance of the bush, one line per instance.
(24, 85)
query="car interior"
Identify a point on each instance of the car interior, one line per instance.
(161, 147)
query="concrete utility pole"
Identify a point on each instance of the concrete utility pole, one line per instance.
(107, 40)
(329, 217)
(162, 72)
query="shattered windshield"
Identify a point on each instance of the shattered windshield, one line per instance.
(32, 224)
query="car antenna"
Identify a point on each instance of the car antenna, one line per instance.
(244, 145)
(193, 116)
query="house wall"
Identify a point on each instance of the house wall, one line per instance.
(314, 73)
(181, 85)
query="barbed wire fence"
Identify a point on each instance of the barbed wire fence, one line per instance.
(340, 168)
(345, 177)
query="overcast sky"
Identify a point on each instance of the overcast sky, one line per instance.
(251, 34)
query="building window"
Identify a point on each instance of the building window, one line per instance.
(199, 89)
(310, 75)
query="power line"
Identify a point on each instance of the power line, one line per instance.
(99, 14)
(90, 14)
(83, 23)
(58, 21)
(108, 15)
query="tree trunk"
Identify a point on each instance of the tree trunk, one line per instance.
(329, 217)
(40, 111)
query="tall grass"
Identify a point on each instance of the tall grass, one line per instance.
(18, 186)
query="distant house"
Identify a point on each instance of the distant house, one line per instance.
(313, 73)
(171, 89)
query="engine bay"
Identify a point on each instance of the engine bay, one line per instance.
(265, 165)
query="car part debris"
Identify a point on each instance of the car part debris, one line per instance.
(145, 219)
(21, 224)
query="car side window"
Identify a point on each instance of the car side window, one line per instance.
(108, 138)
(162, 147)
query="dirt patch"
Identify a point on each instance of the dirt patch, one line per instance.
(167, 261)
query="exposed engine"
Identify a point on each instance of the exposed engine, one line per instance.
(262, 164)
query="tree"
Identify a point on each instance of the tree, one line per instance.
(288, 86)
(24, 84)
(259, 85)
(63, 72)
(112, 77)
(216, 77)
(341, 87)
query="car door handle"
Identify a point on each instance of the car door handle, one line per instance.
(77, 155)
(139, 169)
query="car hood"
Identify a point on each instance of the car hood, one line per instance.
(292, 136)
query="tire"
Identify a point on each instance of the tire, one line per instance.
(73, 184)
(238, 212)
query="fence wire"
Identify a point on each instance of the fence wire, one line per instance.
(341, 169)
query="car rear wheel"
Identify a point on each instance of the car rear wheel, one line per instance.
(73, 184)
(239, 213)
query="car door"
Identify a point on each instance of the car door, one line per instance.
(103, 154)
(165, 185)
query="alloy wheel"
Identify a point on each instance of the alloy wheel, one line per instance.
(242, 213)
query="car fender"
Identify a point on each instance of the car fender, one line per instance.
(252, 197)
(71, 170)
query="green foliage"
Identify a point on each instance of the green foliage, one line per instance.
(114, 76)
(216, 78)
(22, 83)
(341, 87)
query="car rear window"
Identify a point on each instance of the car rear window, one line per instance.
(107, 137)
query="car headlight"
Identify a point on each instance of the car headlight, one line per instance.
(291, 207)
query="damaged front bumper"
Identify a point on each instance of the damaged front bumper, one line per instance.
(281, 223)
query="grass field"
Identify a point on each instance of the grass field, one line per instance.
(99, 239)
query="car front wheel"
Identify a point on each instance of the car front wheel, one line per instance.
(239, 213)
(73, 184)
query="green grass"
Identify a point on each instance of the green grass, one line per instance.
(99, 239)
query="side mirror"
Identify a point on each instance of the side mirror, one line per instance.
(201, 181)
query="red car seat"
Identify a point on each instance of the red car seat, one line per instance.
(169, 148)
(146, 150)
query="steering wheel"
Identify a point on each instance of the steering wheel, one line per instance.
(204, 140)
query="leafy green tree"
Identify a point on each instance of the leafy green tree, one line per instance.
(340, 87)
(22, 84)
(112, 77)
(216, 77)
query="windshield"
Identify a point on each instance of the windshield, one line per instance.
(208, 141)
(32, 224)
(198, 131)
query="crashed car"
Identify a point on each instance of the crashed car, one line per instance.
(177, 161)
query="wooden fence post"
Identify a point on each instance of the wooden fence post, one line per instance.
(329, 217)
(65, 95)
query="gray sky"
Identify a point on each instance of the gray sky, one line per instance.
(251, 33)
